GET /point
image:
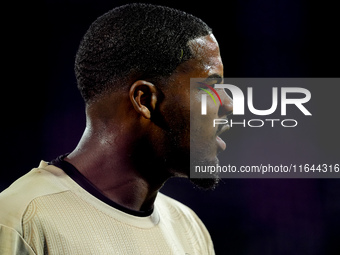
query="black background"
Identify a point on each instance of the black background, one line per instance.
(43, 113)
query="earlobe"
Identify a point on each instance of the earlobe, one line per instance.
(143, 97)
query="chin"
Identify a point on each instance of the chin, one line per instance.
(205, 183)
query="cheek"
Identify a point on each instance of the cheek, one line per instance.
(202, 131)
(205, 123)
(179, 113)
(176, 114)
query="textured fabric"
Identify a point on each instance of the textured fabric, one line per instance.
(82, 181)
(46, 212)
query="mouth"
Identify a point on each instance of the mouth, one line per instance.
(221, 144)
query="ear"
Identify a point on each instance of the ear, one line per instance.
(143, 97)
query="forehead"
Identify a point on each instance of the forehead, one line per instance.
(207, 59)
(206, 62)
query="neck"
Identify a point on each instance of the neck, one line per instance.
(114, 163)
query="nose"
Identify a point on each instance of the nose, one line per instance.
(227, 104)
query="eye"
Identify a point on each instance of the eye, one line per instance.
(206, 85)
(213, 81)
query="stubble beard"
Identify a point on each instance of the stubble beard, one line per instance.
(184, 156)
(205, 183)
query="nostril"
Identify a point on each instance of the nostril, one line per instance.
(223, 112)
(225, 109)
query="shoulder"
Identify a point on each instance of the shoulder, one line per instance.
(172, 204)
(172, 208)
(14, 201)
(178, 216)
(176, 211)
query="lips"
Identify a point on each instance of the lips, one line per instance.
(221, 144)
(222, 129)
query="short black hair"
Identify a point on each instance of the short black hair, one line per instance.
(134, 40)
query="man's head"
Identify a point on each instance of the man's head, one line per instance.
(133, 69)
(138, 41)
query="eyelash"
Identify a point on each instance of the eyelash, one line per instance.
(211, 85)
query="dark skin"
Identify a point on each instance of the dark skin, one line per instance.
(135, 140)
